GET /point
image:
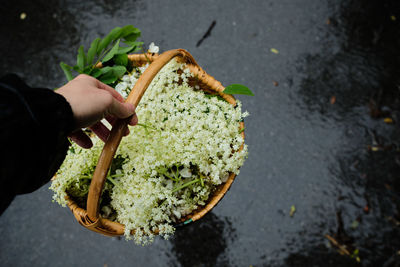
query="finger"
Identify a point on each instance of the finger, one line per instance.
(81, 139)
(111, 120)
(126, 131)
(112, 91)
(134, 120)
(121, 110)
(101, 131)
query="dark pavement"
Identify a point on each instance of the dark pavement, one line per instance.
(317, 134)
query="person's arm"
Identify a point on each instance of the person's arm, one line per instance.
(35, 123)
(33, 138)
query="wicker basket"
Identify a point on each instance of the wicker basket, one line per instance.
(90, 218)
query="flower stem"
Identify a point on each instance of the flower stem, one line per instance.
(146, 126)
(173, 179)
(101, 56)
(185, 185)
(201, 181)
(116, 175)
(111, 180)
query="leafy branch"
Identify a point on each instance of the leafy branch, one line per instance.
(108, 51)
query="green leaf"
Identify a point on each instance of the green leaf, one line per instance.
(112, 52)
(129, 33)
(125, 50)
(109, 75)
(80, 60)
(118, 71)
(121, 59)
(127, 29)
(137, 45)
(112, 36)
(87, 70)
(95, 72)
(67, 70)
(237, 89)
(105, 70)
(105, 52)
(103, 44)
(92, 50)
(108, 78)
(115, 33)
(132, 37)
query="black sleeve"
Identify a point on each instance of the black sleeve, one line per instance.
(34, 126)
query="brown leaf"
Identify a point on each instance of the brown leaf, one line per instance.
(366, 209)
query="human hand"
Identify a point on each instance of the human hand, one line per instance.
(91, 101)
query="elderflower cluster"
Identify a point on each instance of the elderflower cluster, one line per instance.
(185, 144)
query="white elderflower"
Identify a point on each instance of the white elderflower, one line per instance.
(153, 48)
(185, 172)
(142, 69)
(122, 88)
(169, 164)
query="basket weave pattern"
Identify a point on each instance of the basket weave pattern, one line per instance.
(91, 218)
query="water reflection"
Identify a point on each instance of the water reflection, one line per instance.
(204, 242)
(362, 73)
(39, 41)
(361, 62)
(318, 256)
(52, 33)
(116, 8)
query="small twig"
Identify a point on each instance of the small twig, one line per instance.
(207, 34)
(341, 248)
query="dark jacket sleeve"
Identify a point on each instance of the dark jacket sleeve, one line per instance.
(34, 126)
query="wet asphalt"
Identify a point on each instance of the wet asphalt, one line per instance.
(323, 133)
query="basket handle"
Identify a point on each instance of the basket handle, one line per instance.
(113, 141)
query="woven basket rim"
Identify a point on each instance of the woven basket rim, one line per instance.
(114, 228)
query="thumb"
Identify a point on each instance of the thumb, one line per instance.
(121, 110)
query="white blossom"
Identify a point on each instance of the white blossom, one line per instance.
(181, 127)
(153, 48)
(185, 172)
